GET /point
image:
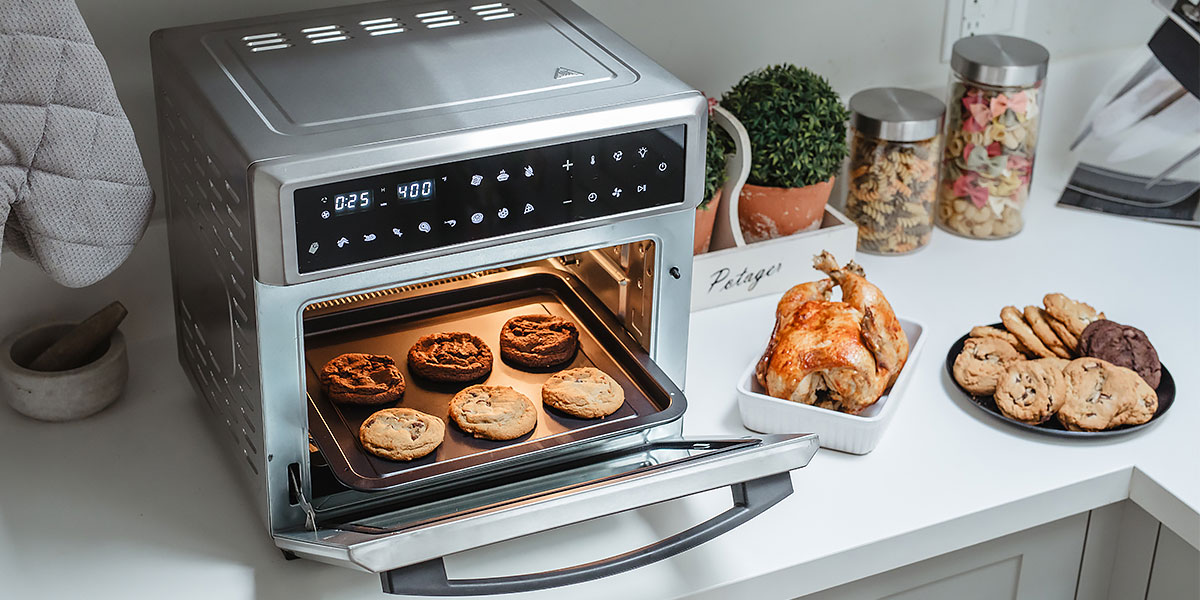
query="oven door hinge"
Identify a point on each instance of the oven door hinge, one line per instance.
(297, 492)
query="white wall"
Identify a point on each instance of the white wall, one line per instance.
(708, 43)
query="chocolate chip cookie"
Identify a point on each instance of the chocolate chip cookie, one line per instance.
(1015, 323)
(982, 360)
(401, 433)
(368, 379)
(538, 341)
(1037, 320)
(586, 392)
(1124, 346)
(1145, 400)
(1095, 397)
(1070, 340)
(1031, 391)
(493, 412)
(1075, 315)
(450, 356)
(984, 331)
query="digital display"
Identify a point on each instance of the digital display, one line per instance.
(344, 204)
(414, 210)
(415, 190)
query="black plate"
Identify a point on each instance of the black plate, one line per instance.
(1165, 391)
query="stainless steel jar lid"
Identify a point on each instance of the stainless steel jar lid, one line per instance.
(896, 114)
(1000, 60)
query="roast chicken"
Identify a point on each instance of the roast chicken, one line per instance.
(837, 355)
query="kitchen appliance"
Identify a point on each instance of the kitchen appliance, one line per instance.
(352, 178)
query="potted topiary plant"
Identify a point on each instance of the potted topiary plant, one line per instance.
(797, 128)
(718, 146)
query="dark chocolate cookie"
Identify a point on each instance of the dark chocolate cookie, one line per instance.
(538, 340)
(1124, 346)
(450, 356)
(362, 379)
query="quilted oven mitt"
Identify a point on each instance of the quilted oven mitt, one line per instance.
(74, 196)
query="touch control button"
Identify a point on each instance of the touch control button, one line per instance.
(424, 227)
(502, 213)
(477, 218)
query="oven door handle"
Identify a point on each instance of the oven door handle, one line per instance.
(750, 499)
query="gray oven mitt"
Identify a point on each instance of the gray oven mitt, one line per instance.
(74, 196)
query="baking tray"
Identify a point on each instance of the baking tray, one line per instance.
(479, 306)
(1165, 391)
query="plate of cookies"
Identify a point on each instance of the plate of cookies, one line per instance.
(1062, 369)
(447, 383)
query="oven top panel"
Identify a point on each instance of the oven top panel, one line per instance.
(403, 212)
(385, 60)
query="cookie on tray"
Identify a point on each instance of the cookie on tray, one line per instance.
(1124, 346)
(1075, 315)
(401, 433)
(450, 357)
(982, 360)
(493, 412)
(1031, 391)
(538, 341)
(1015, 323)
(585, 392)
(1145, 400)
(1038, 321)
(367, 379)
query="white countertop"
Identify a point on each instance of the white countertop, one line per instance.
(139, 501)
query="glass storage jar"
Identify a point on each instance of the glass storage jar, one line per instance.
(993, 112)
(895, 149)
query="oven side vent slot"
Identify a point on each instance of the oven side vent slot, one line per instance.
(210, 242)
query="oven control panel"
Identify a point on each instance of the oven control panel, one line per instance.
(387, 215)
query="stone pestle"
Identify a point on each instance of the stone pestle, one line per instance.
(80, 343)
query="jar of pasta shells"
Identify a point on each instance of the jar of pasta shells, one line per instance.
(895, 150)
(994, 108)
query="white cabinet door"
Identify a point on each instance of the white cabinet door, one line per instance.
(1175, 574)
(1040, 563)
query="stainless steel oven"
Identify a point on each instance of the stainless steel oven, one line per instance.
(352, 178)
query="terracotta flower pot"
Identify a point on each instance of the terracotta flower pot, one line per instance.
(705, 217)
(770, 212)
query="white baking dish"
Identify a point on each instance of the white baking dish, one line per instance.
(856, 434)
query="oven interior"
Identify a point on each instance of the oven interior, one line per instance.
(607, 292)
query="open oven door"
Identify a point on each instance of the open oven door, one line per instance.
(405, 546)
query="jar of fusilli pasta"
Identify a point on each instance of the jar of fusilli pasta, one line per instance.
(994, 109)
(894, 155)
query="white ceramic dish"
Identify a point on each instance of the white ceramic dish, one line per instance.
(856, 434)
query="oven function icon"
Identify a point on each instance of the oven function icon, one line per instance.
(451, 222)
(324, 214)
(567, 165)
(662, 166)
(370, 237)
(529, 170)
(477, 218)
(528, 209)
(312, 249)
(592, 197)
(343, 242)
(424, 227)
(503, 176)
(396, 231)
(502, 213)
(476, 180)
(642, 152)
(618, 155)
(641, 187)
(616, 193)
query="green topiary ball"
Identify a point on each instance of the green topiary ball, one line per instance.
(796, 123)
